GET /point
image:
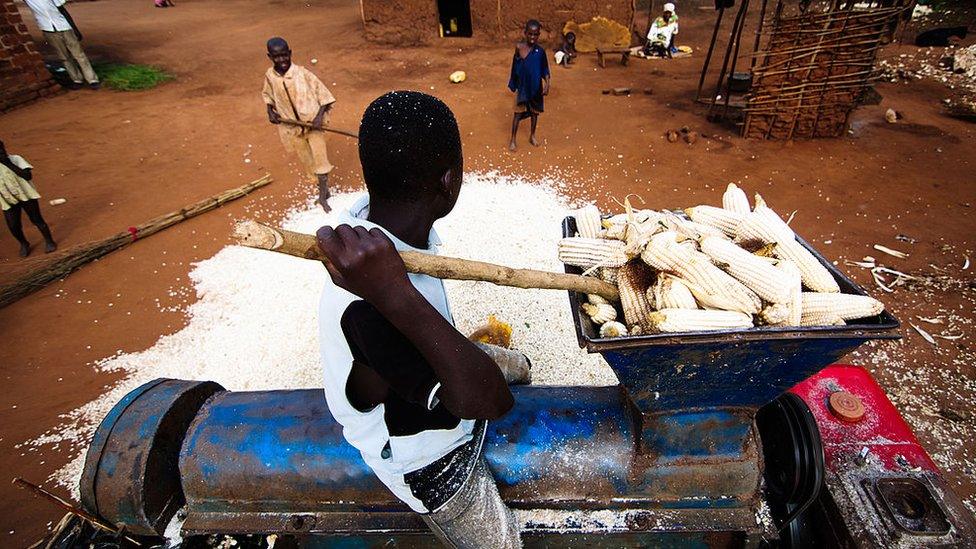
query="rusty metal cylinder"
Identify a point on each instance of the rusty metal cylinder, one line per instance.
(131, 475)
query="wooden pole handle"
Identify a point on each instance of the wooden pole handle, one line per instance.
(257, 235)
(309, 126)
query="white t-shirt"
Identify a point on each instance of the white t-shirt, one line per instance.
(49, 19)
(367, 431)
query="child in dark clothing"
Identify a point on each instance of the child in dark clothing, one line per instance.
(17, 193)
(567, 50)
(529, 80)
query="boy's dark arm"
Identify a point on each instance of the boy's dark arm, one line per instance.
(23, 173)
(320, 116)
(273, 115)
(64, 12)
(366, 264)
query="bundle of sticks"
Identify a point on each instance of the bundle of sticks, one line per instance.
(62, 264)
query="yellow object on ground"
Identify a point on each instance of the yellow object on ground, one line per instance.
(600, 33)
(495, 332)
(458, 76)
(685, 49)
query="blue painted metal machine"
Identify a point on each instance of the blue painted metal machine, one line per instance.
(672, 455)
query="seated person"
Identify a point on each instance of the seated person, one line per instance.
(567, 50)
(660, 37)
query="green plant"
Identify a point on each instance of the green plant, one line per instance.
(130, 77)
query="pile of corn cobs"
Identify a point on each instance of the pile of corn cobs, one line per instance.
(712, 269)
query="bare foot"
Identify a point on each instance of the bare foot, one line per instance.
(50, 247)
(511, 146)
(325, 206)
(534, 141)
(24, 250)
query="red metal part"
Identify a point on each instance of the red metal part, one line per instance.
(881, 429)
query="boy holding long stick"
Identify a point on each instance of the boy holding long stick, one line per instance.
(294, 93)
(412, 393)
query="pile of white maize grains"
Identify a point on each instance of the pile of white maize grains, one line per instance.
(254, 323)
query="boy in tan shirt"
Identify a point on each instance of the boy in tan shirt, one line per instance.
(293, 92)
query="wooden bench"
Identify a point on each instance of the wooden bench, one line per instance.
(601, 53)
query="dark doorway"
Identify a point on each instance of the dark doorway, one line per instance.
(455, 16)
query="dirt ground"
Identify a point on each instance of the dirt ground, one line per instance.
(121, 158)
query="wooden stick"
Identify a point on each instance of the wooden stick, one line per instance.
(67, 506)
(257, 235)
(309, 126)
(62, 264)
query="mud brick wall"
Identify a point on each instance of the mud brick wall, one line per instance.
(23, 77)
(408, 22)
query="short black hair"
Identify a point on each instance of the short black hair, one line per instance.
(278, 42)
(407, 141)
(532, 23)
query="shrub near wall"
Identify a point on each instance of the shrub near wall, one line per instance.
(23, 76)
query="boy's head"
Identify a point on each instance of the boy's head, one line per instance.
(410, 150)
(570, 37)
(280, 54)
(532, 31)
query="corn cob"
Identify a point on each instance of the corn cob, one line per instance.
(735, 200)
(599, 314)
(633, 279)
(756, 273)
(697, 320)
(613, 329)
(592, 252)
(623, 226)
(670, 293)
(694, 267)
(824, 319)
(814, 275)
(763, 225)
(688, 228)
(588, 222)
(845, 306)
(775, 314)
(771, 217)
(596, 300)
(720, 218)
(608, 274)
(795, 302)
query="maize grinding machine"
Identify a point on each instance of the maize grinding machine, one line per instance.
(725, 439)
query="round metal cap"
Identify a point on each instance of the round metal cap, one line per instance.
(846, 406)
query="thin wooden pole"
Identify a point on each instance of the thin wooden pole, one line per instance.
(257, 235)
(735, 58)
(736, 24)
(309, 126)
(708, 56)
(65, 505)
(759, 30)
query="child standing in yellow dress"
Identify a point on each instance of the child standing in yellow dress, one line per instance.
(16, 194)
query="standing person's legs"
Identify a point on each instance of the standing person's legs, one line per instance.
(535, 121)
(78, 53)
(56, 39)
(521, 113)
(33, 209)
(321, 166)
(12, 217)
(476, 516)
